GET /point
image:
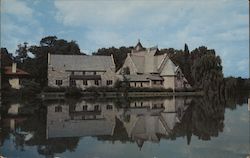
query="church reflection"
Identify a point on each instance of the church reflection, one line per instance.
(140, 120)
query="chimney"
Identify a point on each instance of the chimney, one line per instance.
(13, 67)
(49, 59)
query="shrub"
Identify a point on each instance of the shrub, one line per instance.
(185, 89)
(30, 88)
(100, 89)
(54, 89)
(148, 89)
(73, 92)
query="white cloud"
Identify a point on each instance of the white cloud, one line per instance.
(17, 8)
(18, 24)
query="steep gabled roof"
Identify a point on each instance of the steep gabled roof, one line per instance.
(147, 62)
(82, 62)
(168, 68)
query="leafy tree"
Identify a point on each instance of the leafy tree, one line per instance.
(186, 50)
(37, 65)
(22, 52)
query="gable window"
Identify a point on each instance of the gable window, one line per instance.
(126, 71)
(59, 82)
(109, 107)
(178, 75)
(109, 82)
(58, 109)
(96, 108)
(85, 82)
(96, 82)
(85, 107)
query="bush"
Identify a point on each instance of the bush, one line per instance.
(30, 88)
(54, 89)
(73, 92)
(185, 90)
(148, 89)
(101, 89)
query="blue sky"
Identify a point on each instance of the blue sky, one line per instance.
(222, 25)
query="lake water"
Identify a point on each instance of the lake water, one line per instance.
(151, 128)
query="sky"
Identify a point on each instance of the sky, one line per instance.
(221, 25)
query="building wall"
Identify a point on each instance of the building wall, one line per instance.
(169, 82)
(109, 75)
(14, 83)
(60, 74)
(57, 74)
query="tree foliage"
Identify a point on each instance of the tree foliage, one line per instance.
(37, 65)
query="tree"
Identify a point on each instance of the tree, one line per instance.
(37, 66)
(186, 50)
(22, 52)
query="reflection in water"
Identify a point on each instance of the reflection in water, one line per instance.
(142, 120)
(56, 127)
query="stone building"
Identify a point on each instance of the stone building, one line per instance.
(147, 68)
(81, 71)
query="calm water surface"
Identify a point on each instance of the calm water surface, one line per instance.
(150, 128)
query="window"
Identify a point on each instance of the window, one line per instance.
(85, 107)
(72, 73)
(96, 108)
(141, 104)
(73, 82)
(154, 82)
(109, 82)
(135, 84)
(141, 84)
(58, 109)
(178, 75)
(162, 105)
(83, 72)
(59, 82)
(109, 107)
(94, 73)
(161, 82)
(96, 82)
(85, 82)
(154, 106)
